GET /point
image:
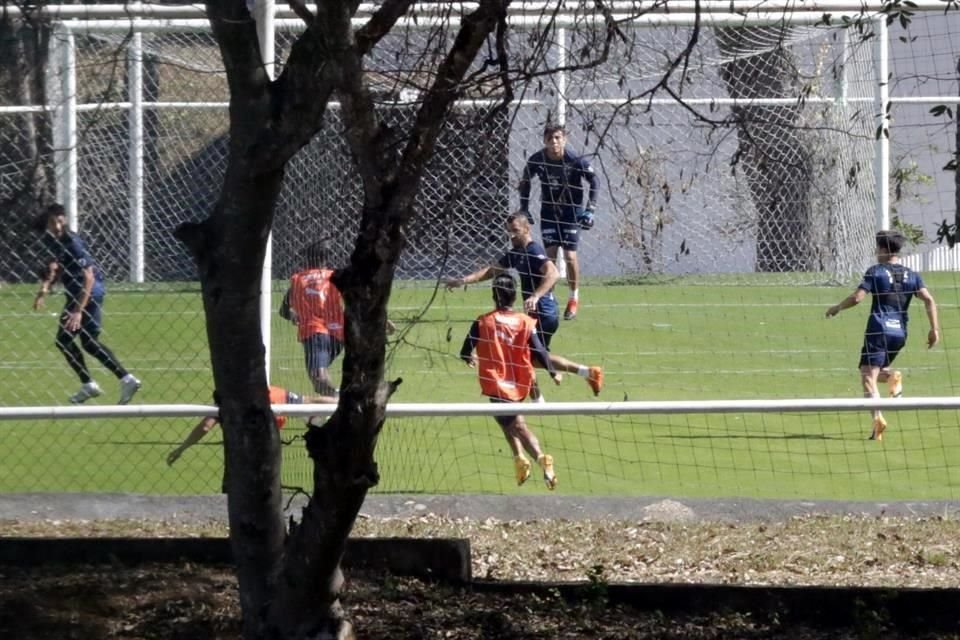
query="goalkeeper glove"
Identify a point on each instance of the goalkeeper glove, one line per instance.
(585, 218)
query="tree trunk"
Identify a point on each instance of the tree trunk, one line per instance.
(775, 159)
(229, 248)
(307, 603)
(290, 588)
(22, 148)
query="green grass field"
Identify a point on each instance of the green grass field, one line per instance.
(666, 341)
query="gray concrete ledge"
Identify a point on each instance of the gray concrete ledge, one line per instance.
(91, 506)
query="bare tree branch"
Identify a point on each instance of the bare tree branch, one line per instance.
(380, 24)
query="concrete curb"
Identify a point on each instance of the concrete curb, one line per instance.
(445, 559)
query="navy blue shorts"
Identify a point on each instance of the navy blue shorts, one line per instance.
(880, 350)
(320, 350)
(91, 320)
(563, 233)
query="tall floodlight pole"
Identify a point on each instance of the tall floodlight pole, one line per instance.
(561, 117)
(63, 99)
(264, 13)
(882, 164)
(135, 154)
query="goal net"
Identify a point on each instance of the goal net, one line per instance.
(740, 188)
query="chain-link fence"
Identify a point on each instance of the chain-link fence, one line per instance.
(755, 154)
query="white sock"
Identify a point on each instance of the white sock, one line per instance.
(574, 294)
(583, 372)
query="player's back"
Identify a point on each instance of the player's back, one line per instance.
(317, 303)
(893, 286)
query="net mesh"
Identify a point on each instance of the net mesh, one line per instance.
(761, 181)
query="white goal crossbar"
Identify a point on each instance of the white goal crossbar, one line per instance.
(414, 409)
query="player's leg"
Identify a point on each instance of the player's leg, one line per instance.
(90, 341)
(66, 345)
(873, 358)
(547, 326)
(532, 446)
(521, 465)
(570, 242)
(319, 350)
(893, 377)
(592, 374)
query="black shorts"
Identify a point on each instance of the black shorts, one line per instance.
(504, 421)
(564, 233)
(880, 350)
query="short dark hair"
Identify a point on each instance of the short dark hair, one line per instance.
(317, 255)
(40, 222)
(552, 127)
(890, 241)
(504, 291)
(516, 216)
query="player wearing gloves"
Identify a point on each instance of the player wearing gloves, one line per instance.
(564, 210)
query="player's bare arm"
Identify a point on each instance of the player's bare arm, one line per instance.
(477, 276)
(75, 315)
(550, 277)
(933, 336)
(49, 276)
(852, 300)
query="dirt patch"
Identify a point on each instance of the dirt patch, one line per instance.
(190, 601)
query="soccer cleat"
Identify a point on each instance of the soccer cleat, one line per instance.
(895, 384)
(571, 311)
(128, 386)
(521, 467)
(549, 475)
(595, 379)
(87, 390)
(879, 426)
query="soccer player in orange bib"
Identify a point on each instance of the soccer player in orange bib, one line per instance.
(500, 345)
(314, 304)
(278, 395)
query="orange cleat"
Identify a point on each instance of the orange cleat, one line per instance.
(595, 379)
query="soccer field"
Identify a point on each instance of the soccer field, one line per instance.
(666, 341)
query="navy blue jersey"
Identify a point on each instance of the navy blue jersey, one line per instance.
(528, 263)
(561, 185)
(70, 252)
(893, 287)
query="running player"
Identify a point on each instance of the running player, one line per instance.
(892, 286)
(538, 275)
(69, 260)
(499, 346)
(314, 304)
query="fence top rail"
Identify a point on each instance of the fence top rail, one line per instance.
(520, 21)
(539, 8)
(399, 410)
